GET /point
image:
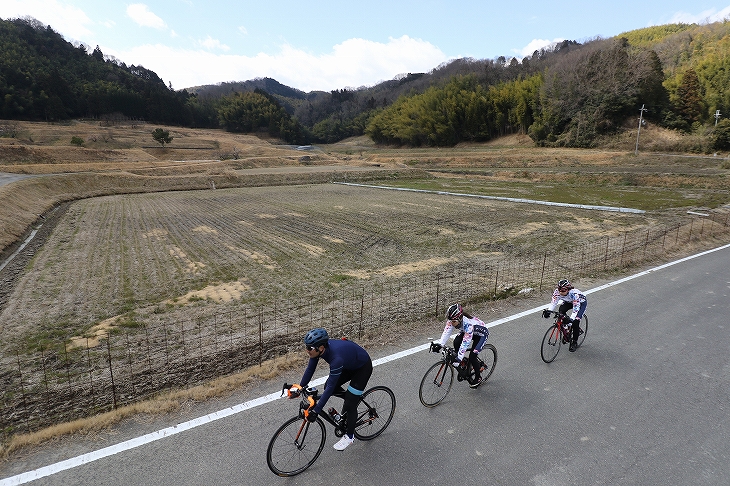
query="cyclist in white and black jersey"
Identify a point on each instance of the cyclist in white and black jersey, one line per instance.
(472, 332)
(566, 297)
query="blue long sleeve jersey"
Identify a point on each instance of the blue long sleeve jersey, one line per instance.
(341, 355)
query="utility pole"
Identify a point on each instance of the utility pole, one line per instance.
(641, 120)
(717, 116)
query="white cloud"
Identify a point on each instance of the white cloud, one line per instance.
(353, 63)
(535, 45)
(141, 14)
(65, 19)
(243, 30)
(210, 44)
(710, 15)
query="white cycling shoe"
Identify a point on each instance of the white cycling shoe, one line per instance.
(344, 442)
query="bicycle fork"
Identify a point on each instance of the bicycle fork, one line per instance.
(301, 435)
(441, 375)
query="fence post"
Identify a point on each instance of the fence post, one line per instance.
(167, 353)
(91, 374)
(22, 389)
(623, 249)
(45, 378)
(200, 340)
(605, 258)
(362, 312)
(691, 224)
(542, 273)
(215, 333)
(496, 279)
(129, 362)
(147, 338)
(111, 372)
(182, 337)
(68, 370)
(438, 285)
(261, 335)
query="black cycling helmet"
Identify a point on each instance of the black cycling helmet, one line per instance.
(316, 337)
(565, 284)
(454, 312)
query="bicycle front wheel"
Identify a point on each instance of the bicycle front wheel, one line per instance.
(436, 384)
(374, 412)
(583, 330)
(295, 446)
(551, 344)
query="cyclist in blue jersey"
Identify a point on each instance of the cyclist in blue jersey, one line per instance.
(568, 297)
(472, 331)
(348, 362)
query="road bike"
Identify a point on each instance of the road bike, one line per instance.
(437, 381)
(558, 334)
(298, 442)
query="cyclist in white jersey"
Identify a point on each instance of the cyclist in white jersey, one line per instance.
(565, 297)
(472, 332)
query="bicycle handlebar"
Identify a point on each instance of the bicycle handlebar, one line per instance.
(310, 391)
(558, 314)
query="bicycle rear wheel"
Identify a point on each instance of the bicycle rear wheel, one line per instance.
(436, 384)
(488, 356)
(551, 344)
(295, 446)
(583, 330)
(374, 412)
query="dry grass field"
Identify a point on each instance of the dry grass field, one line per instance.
(127, 230)
(177, 226)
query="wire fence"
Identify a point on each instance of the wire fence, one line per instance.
(141, 359)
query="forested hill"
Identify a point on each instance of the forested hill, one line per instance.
(567, 95)
(44, 77)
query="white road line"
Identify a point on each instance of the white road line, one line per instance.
(170, 431)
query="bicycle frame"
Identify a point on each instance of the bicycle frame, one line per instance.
(564, 330)
(310, 397)
(450, 355)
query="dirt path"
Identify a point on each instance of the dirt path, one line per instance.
(7, 178)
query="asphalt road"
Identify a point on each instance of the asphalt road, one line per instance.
(644, 401)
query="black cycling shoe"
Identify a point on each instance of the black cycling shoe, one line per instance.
(573, 346)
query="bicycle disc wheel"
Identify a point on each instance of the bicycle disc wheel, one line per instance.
(295, 446)
(551, 344)
(584, 330)
(374, 412)
(436, 384)
(488, 356)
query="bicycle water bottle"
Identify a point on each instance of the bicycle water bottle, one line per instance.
(335, 416)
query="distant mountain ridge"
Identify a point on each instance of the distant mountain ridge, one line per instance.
(680, 71)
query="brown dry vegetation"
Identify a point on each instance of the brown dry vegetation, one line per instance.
(189, 245)
(174, 248)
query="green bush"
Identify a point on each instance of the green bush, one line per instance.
(721, 136)
(78, 141)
